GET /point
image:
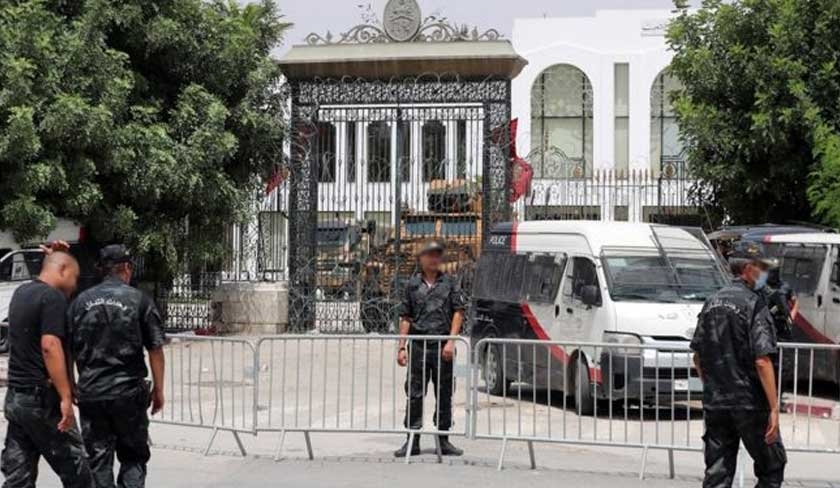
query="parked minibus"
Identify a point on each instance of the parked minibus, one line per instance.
(627, 284)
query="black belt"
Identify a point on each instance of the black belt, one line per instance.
(29, 389)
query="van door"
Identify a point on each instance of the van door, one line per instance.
(574, 319)
(832, 316)
(16, 268)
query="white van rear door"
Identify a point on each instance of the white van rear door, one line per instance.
(16, 268)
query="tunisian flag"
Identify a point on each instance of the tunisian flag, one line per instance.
(521, 172)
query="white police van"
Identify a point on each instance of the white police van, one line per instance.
(579, 281)
(809, 263)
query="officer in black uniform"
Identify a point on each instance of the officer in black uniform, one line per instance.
(733, 342)
(111, 324)
(432, 304)
(39, 401)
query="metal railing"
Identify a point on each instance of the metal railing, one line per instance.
(586, 393)
(211, 383)
(599, 394)
(353, 383)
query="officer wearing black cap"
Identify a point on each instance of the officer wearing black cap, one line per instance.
(432, 305)
(780, 297)
(110, 325)
(733, 343)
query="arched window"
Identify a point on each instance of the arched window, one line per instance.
(561, 120)
(666, 147)
(379, 152)
(434, 151)
(326, 152)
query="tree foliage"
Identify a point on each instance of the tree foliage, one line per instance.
(148, 121)
(760, 110)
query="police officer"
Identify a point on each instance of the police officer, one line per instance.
(432, 304)
(39, 400)
(780, 297)
(733, 342)
(111, 324)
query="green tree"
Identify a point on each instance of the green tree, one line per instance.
(150, 121)
(760, 110)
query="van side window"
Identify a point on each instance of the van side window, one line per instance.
(582, 273)
(544, 275)
(501, 276)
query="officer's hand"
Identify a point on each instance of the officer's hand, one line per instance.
(448, 351)
(772, 432)
(68, 418)
(61, 246)
(157, 400)
(402, 357)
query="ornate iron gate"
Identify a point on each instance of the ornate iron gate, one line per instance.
(378, 167)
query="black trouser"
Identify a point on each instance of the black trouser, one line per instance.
(724, 431)
(33, 417)
(425, 364)
(122, 426)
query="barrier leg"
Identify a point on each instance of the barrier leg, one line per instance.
(644, 463)
(671, 471)
(210, 442)
(531, 455)
(308, 445)
(437, 450)
(239, 444)
(278, 454)
(502, 454)
(410, 445)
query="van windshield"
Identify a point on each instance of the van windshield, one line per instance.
(665, 277)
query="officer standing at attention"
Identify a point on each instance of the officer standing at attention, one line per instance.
(39, 401)
(432, 304)
(111, 324)
(733, 343)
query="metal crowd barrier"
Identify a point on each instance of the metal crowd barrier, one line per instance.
(598, 394)
(352, 383)
(810, 401)
(211, 384)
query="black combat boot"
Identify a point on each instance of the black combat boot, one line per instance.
(446, 447)
(415, 448)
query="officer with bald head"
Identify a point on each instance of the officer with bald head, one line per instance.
(39, 400)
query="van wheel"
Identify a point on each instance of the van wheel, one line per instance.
(582, 387)
(4, 339)
(493, 370)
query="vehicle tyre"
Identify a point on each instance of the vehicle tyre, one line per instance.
(582, 387)
(493, 370)
(4, 339)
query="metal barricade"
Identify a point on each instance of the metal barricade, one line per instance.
(809, 397)
(353, 384)
(609, 394)
(211, 383)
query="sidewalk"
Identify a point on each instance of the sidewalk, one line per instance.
(350, 461)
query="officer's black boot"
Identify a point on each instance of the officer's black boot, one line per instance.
(415, 448)
(446, 447)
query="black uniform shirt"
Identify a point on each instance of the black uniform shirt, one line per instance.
(734, 328)
(36, 309)
(110, 325)
(430, 308)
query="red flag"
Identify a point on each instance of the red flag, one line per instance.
(521, 172)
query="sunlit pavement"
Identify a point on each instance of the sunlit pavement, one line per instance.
(352, 460)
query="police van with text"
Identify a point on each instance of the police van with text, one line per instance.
(574, 282)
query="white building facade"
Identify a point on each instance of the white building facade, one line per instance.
(596, 88)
